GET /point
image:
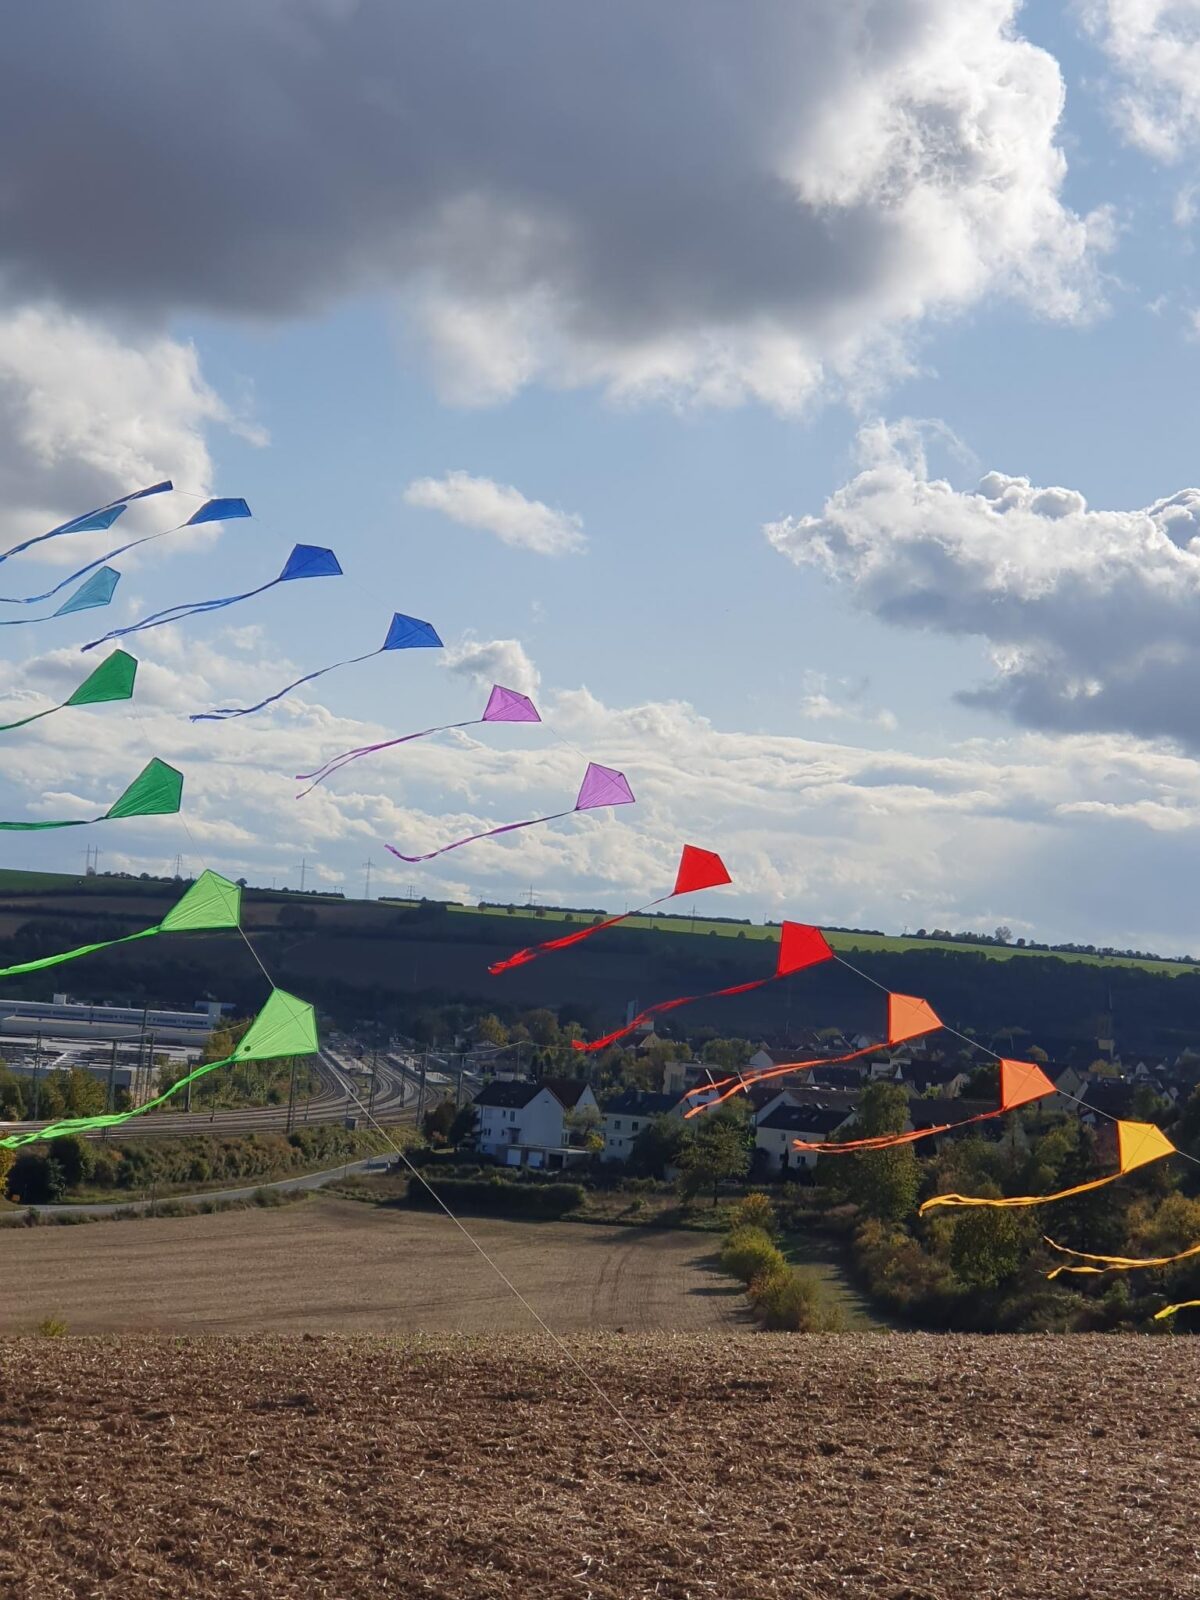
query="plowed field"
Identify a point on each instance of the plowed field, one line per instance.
(850, 1467)
(336, 1266)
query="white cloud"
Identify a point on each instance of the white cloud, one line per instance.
(1091, 614)
(86, 416)
(774, 230)
(500, 509)
(489, 661)
(1154, 48)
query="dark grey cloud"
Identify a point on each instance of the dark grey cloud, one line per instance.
(729, 199)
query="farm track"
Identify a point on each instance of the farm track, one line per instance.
(849, 1467)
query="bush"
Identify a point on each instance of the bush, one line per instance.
(36, 1179)
(52, 1328)
(498, 1197)
(755, 1211)
(747, 1253)
(791, 1301)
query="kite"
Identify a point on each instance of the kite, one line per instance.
(1115, 1263)
(908, 1018)
(405, 633)
(91, 521)
(504, 705)
(156, 791)
(285, 1026)
(1138, 1143)
(305, 561)
(212, 902)
(97, 591)
(601, 786)
(698, 869)
(1169, 1311)
(800, 946)
(112, 680)
(210, 511)
(1020, 1082)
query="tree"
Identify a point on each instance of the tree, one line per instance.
(884, 1183)
(12, 1096)
(36, 1179)
(719, 1150)
(1003, 934)
(728, 1054)
(6, 1160)
(542, 1026)
(74, 1156)
(658, 1145)
(491, 1030)
(462, 1129)
(988, 1247)
(439, 1121)
(588, 1124)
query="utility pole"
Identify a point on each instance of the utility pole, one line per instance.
(291, 1111)
(179, 866)
(303, 872)
(421, 1091)
(37, 1067)
(110, 1101)
(368, 864)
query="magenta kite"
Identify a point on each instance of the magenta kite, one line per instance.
(504, 705)
(601, 786)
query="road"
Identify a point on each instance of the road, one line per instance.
(308, 1180)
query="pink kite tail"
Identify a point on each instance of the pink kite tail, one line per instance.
(490, 833)
(337, 762)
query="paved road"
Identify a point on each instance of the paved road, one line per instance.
(308, 1180)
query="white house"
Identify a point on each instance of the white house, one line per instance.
(775, 1133)
(629, 1113)
(521, 1124)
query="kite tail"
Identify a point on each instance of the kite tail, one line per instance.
(1169, 1311)
(70, 955)
(91, 521)
(112, 1119)
(30, 599)
(335, 763)
(1005, 1202)
(662, 1006)
(489, 833)
(737, 1082)
(224, 712)
(24, 722)
(179, 612)
(1115, 1263)
(531, 952)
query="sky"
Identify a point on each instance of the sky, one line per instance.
(796, 400)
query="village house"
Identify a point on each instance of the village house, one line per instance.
(774, 1134)
(521, 1123)
(921, 1076)
(629, 1113)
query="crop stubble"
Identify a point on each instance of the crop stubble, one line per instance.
(903, 1467)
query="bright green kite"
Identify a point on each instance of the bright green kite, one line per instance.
(285, 1026)
(212, 902)
(156, 791)
(112, 680)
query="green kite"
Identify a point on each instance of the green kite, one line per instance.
(156, 791)
(112, 680)
(211, 902)
(285, 1026)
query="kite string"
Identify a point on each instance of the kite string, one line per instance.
(1096, 1111)
(469, 1236)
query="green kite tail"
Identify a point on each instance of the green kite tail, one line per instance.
(113, 679)
(285, 1026)
(212, 902)
(156, 791)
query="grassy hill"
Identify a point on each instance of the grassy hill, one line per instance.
(388, 960)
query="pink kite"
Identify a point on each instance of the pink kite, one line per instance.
(800, 946)
(601, 786)
(698, 869)
(504, 705)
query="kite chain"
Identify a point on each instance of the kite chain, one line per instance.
(974, 1043)
(572, 1359)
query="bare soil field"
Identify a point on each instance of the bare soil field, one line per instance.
(327, 1265)
(861, 1467)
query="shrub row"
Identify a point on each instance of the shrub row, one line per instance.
(498, 1197)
